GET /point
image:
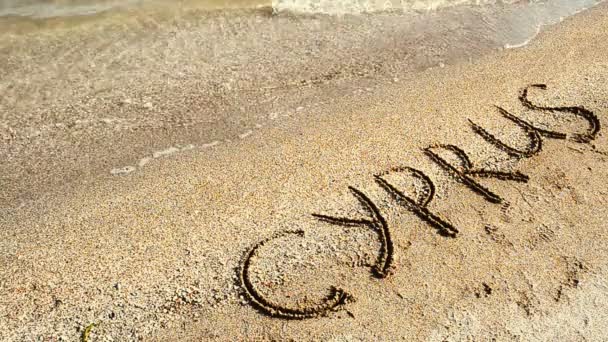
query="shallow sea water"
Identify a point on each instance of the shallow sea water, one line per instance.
(518, 21)
(253, 60)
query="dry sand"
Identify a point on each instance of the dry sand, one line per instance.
(160, 254)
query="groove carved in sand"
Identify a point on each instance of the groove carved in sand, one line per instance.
(463, 173)
(534, 140)
(376, 222)
(534, 133)
(587, 115)
(336, 298)
(418, 206)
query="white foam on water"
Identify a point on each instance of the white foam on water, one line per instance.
(517, 24)
(144, 161)
(123, 170)
(245, 134)
(525, 42)
(369, 6)
(211, 144)
(540, 14)
(169, 151)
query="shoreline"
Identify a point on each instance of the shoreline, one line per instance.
(80, 121)
(155, 255)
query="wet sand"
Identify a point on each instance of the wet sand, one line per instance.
(94, 96)
(172, 250)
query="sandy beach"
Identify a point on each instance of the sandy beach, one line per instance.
(385, 201)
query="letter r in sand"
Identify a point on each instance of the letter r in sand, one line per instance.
(466, 171)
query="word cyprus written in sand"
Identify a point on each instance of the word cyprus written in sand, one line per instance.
(466, 173)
